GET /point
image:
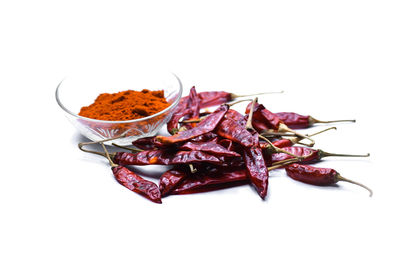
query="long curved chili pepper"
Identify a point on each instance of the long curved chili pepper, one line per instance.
(170, 179)
(205, 126)
(212, 180)
(297, 121)
(257, 170)
(134, 182)
(137, 184)
(202, 183)
(164, 157)
(209, 147)
(308, 154)
(318, 176)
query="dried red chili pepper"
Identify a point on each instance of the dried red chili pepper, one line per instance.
(308, 154)
(236, 116)
(147, 143)
(170, 179)
(256, 169)
(318, 176)
(136, 183)
(165, 157)
(205, 126)
(203, 182)
(132, 181)
(234, 131)
(210, 147)
(297, 121)
(188, 106)
(272, 121)
(216, 178)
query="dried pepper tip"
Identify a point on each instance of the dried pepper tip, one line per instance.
(237, 102)
(312, 121)
(338, 178)
(280, 164)
(322, 154)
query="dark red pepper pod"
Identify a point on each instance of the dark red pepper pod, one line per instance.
(170, 179)
(204, 182)
(147, 143)
(308, 154)
(318, 176)
(165, 157)
(232, 130)
(257, 170)
(137, 184)
(205, 126)
(210, 147)
(297, 121)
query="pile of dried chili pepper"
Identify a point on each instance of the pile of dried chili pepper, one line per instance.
(225, 148)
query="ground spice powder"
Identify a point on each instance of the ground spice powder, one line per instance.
(125, 105)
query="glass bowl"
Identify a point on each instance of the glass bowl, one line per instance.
(78, 91)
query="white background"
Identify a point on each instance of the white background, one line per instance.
(334, 59)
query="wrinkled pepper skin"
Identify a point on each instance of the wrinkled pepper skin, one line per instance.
(236, 116)
(188, 107)
(257, 170)
(263, 115)
(214, 98)
(205, 126)
(232, 130)
(164, 157)
(170, 179)
(311, 155)
(137, 184)
(294, 120)
(281, 143)
(312, 175)
(207, 182)
(209, 147)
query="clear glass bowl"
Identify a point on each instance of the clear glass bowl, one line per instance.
(78, 91)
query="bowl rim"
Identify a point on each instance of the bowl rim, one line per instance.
(126, 121)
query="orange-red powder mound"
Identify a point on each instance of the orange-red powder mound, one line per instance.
(125, 105)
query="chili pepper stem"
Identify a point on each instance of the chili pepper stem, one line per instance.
(284, 128)
(341, 178)
(239, 101)
(277, 149)
(81, 145)
(323, 154)
(265, 93)
(282, 163)
(108, 156)
(127, 148)
(313, 120)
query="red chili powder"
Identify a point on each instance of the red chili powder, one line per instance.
(125, 105)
